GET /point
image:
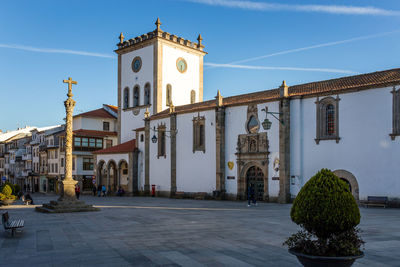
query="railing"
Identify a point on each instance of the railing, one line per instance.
(43, 169)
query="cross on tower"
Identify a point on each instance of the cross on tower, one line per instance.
(70, 83)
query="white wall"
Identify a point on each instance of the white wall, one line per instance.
(160, 168)
(195, 172)
(141, 161)
(365, 148)
(182, 83)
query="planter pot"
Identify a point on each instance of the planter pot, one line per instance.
(7, 201)
(319, 261)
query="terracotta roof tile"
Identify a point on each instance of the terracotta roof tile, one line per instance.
(121, 148)
(98, 113)
(340, 85)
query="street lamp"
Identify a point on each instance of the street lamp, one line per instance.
(266, 124)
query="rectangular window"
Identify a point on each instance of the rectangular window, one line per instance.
(395, 113)
(106, 126)
(73, 163)
(199, 134)
(62, 163)
(99, 143)
(92, 142)
(109, 143)
(85, 142)
(56, 167)
(87, 164)
(161, 141)
(77, 141)
(56, 154)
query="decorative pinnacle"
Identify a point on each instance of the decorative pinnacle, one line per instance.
(219, 99)
(146, 113)
(284, 89)
(158, 24)
(199, 39)
(171, 107)
(121, 38)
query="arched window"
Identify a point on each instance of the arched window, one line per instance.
(192, 97)
(136, 96)
(327, 119)
(168, 95)
(330, 120)
(147, 94)
(126, 97)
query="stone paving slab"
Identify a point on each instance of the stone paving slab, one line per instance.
(140, 231)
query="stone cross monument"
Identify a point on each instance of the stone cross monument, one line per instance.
(67, 202)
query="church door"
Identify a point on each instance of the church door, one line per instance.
(255, 176)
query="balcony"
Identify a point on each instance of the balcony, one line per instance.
(27, 157)
(25, 173)
(43, 169)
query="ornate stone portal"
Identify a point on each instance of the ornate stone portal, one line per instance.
(252, 154)
(67, 201)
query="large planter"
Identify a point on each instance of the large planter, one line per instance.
(322, 261)
(7, 201)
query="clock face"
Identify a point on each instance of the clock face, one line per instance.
(181, 65)
(136, 64)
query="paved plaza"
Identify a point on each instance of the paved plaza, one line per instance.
(143, 231)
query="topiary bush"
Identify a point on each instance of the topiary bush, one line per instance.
(10, 185)
(328, 212)
(325, 206)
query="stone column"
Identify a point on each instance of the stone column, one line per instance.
(134, 160)
(147, 156)
(173, 154)
(284, 150)
(108, 178)
(220, 150)
(68, 193)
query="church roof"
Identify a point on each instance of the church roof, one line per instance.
(333, 86)
(97, 113)
(121, 148)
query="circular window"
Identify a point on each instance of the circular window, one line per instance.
(181, 65)
(253, 125)
(136, 64)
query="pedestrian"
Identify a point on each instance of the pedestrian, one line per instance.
(28, 199)
(103, 190)
(251, 195)
(109, 190)
(94, 190)
(99, 190)
(120, 192)
(77, 191)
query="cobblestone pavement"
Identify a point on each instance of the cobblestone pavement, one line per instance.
(139, 231)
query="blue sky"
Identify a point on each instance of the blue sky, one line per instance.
(34, 37)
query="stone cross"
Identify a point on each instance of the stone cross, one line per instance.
(68, 193)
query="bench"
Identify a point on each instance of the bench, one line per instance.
(179, 194)
(11, 225)
(377, 201)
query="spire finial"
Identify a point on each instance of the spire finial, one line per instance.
(171, 107)
(146, 113)
(199, 39)
(121, 38)
(219, 99)
(158, 24)
(284, 89)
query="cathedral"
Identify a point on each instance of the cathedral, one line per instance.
(172, 143)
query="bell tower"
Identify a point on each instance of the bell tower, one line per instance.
(155, 70)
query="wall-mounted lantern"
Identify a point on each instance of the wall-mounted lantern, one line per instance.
(266, 124)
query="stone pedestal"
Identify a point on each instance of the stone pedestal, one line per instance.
(64, 206)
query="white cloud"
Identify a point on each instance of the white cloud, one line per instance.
(315, 46)
(332, 9)
(232, 66)
(58, 51)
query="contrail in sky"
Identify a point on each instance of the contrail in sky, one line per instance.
(279, 68)
(331, 9)
(58, 51)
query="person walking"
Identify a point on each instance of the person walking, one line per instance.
(77, 191)
(251, 195)
(99, 190)
(94, 190)
(103, 190)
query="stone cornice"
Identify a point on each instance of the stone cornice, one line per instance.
(148, 38)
